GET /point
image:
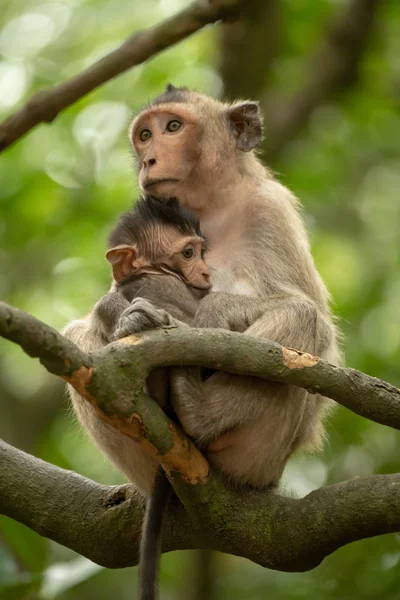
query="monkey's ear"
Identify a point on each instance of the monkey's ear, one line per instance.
(122, 258)
(245, 121)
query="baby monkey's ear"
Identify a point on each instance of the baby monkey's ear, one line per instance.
(122, 258)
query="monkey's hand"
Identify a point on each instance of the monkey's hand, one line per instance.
(142, 315)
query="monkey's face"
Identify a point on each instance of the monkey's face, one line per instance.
(193, 148)
(167, 146)
(169, 252)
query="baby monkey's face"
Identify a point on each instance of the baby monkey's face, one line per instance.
(183, 255)
(166, 250)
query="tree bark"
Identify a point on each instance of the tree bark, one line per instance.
(103, 522)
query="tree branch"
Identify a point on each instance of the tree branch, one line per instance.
(100, 522)
(116, 373)
(103, 523)
(280, 533)
(333, 69)
(45, 105)
(113, 380)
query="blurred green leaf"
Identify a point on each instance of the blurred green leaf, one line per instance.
(30, 548)
(60, 577)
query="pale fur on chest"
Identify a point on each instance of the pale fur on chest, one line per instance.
(225, 282)
(227, 279)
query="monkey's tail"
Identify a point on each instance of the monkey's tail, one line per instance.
(150, 547)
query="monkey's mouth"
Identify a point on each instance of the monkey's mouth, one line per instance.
(150, 182)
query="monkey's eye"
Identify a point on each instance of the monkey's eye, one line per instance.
(174, 125)
(145, 135)
(188, 252)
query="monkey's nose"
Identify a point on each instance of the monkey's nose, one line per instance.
(149, 162)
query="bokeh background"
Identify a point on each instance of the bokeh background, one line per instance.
(62, 186)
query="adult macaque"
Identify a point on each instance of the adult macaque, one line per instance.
(156, 249)
(264, 284)
(264, 279)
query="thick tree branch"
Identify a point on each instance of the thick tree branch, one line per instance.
(112, 380)
(47, 104)
(333, 68)
(280, 533)
(100, 522)
(117, 372)
(103, 523)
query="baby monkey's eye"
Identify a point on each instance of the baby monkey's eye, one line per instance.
(174, 125)
(145, 135)
(188, 252)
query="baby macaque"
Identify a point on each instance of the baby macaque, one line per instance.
(156, 251)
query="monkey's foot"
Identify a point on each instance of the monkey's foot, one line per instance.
(140, 316)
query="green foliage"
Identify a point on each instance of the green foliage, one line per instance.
(61, 188)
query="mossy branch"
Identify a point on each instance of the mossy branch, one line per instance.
(103, 522)
(112, 380)
(113, 377)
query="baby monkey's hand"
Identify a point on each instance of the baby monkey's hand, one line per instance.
(141, 315)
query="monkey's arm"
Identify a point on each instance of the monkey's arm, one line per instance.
(156, 301)
(247, 408)
(106, 314)
(97, 328)
(292, 320)
(114, 316)
(153, 308)
(141, 315)
(228, 311)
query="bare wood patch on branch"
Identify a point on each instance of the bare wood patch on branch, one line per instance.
(294, 359)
